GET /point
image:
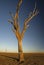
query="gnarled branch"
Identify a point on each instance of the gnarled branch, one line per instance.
(18, 35)
(30, 17)
(15, 18)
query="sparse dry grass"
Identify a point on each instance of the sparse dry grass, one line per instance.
(30, 59)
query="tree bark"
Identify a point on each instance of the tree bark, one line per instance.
(20, 51)
(16, 30)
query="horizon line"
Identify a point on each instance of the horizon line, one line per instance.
(17, 52)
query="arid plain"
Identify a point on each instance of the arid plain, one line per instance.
(30, 59)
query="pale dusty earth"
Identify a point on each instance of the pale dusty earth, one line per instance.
(30, 59)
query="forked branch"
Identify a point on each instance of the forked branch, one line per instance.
(30, 17)
(15, 18)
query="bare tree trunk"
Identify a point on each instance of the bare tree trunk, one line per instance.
(20, 51)
(16, 30)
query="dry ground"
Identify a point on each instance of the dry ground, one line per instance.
(30, 59)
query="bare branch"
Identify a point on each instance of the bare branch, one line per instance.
(30, 17)
(18, 35)
(16, 17)
(10, 21)
(18, 5)
(12, 24)
(34, 8)
(12, 16)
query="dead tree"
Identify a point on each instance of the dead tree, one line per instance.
(16, 27)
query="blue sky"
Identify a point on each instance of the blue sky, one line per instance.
(34, 36)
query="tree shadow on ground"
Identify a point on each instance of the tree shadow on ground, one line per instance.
(14, 58)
